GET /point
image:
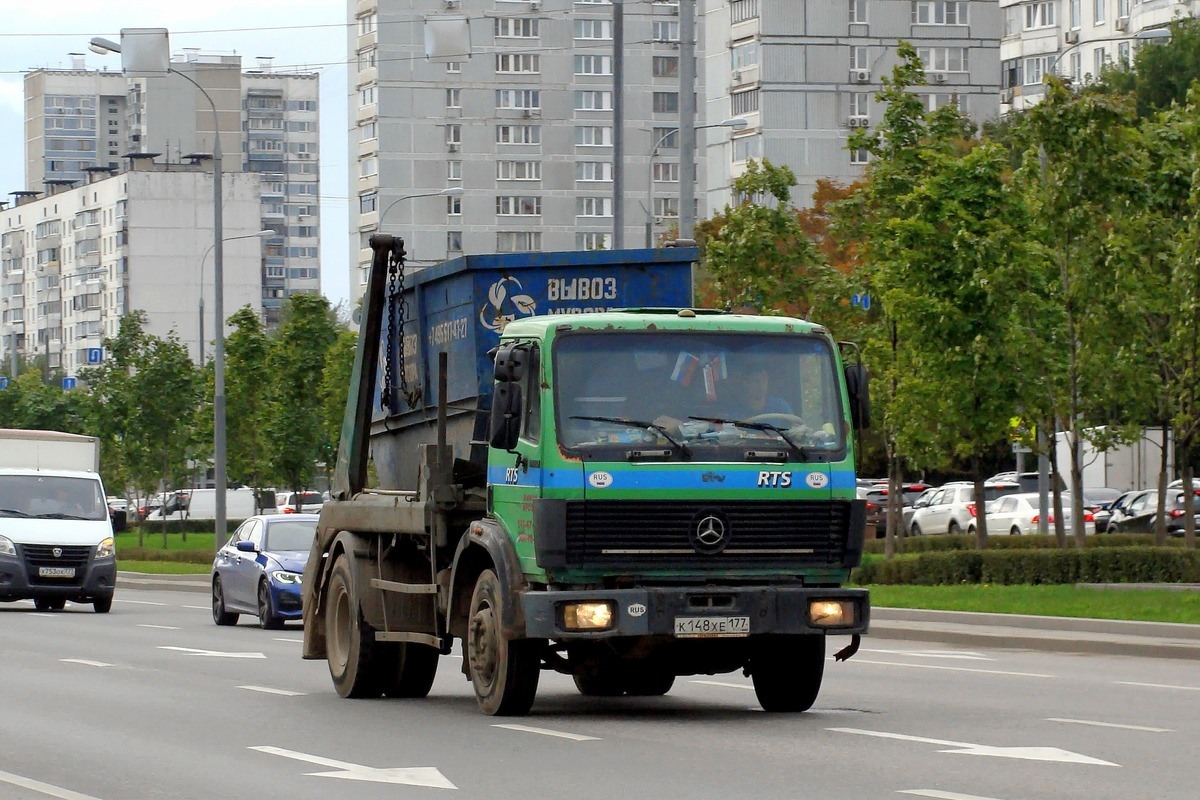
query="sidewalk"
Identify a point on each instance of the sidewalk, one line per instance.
(1003, 631)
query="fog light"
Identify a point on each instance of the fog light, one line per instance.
(587, 616)
(831, 613)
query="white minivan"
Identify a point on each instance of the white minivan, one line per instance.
(56, 538)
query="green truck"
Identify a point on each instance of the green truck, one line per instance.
(571, 469)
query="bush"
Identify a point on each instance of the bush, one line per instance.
(925, 544)
(153, 526)
(158, 554)
(1035, 565)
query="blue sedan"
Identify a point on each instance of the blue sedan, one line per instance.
(259, 569)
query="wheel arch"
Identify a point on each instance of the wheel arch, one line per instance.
(486, 546)
(316, 578)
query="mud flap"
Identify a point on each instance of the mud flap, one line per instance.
(850, 649)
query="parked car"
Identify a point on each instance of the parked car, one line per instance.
(259, 570)
(1097, 501)
(951, 509)
(1143, 511)
(1119, 509)
(877, 505)
(1017, 514)
(299, 502)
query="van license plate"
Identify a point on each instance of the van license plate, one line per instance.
(56, 572)
(700, 627)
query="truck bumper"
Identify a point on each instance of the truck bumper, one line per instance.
(652, 611)
(99, 580)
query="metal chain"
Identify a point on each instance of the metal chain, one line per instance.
(385, 397)
(412, 395)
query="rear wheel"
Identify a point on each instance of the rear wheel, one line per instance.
(407, 669)
(102, 605)
(219, 614)
(504, 671)
(787, 671)
(1015, 531)
(954, 529)
(50, 603)
(267, 618)
(592, 684)
(350, 641)
(649, 684)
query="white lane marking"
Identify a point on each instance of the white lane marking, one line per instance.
(42, 614)
(953, 669)
(575, 737)
(44, 788)
(159, 627)
(964, 656)
(269, 690)
(409, 776)
(1160, 686)
(139, 602)
(940, 795)
(1110, 725)
(280, 639)
(970, 749)
(722, 683)
(200, 608)
(84, 661)
(192, 651)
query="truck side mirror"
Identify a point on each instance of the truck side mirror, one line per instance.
(506, 415)
(858, 387)
(510, 363)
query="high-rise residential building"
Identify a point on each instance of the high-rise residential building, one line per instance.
(74, 260)
(805, 75)
(80, 119)
(1075, 39)
(523, 123)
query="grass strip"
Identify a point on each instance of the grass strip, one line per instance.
(163, 567)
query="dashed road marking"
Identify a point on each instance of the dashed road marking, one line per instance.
(139, 602)
(961, 656)
(575, 737)
(200, 608)
(724, 684)
(269, 690)
(1160, 686)
(1110, 725)
(953, 669)
(159, 627)
(282, 639)
(85, 662)
(44, 788)
(940, 795)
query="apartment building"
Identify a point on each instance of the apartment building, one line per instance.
(523, 122)
(1075, 39)
(267, 121)
(73, 261)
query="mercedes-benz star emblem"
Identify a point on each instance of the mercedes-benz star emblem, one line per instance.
(57, 552)
(709, 534)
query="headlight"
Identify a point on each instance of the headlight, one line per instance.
(831, 613)
(106, 549)
(6, 547)
(587, 616)
(282, 576)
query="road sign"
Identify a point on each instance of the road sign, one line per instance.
(95, 355)
(3, 383)
(861, 300)
(68, 384)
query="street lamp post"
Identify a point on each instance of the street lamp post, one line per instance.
(737, 123)
(158, 50)
(263, 234)
(449, 191)
(1150, 35)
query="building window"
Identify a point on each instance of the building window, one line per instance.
(859, 104)
(664, 31)
(943, 59)
(1076, 14)
(1035, 68)
(366, 96)
(593, 206)
(593, 171)
(1097, 13)
(518, 206)
(742, 10)
(593, 65)
(518, 241)
(1123, 8)
(593, 135)
(454, 134)
(453, 67)
(454, 170)
(666, 102)
(665, 172)
(1099, 58)
(516, 27)
(593, 101)
(368, 166)
(593, 241)
(1040, 15)
(934, 101)
(1123, 53)
(518, 134)
(858, 11)
(593, 29)
(454, 241)
(368, 203)
(666, 207)
(665, 66)
(368, 131)
(366, 24)
(858, 58)
(518, 170)
(1077, 67)
(517, 63)
(747, 147)
(667, 138)
(454, 206)
(743, 54)
(744, 102)
(454, 98)
(521, 99)
(939, 12)
(1010, 73)
(859, 156)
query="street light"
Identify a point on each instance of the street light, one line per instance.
(148, 54)
(449, 191)
(737, 123)
(1150, 35)
(263, 234)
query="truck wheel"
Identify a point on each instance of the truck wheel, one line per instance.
(102, 605)
(267, 618)
(787, 671)
(50, 603)
(408, 669)
(350, 641)
(220, 615)
(504, 671)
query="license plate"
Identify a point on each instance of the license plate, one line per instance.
(699, 627)
(56, 572)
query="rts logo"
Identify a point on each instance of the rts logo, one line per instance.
(774, 480)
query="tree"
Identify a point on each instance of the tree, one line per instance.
(335, 386)
(297, 360)
(1161, 75)
(247, 399)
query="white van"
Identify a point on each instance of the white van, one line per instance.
(201, 504)
(56, 539)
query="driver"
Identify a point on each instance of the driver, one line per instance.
(750, 394)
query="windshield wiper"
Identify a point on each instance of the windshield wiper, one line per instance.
(14, 512)
(758, 426)
(637, 423)
(59, 515)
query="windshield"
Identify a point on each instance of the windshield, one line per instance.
(290, 535)
(51, 497)
(621, 388)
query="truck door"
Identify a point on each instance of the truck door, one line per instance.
(516, 476)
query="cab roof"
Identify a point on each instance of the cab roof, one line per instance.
(636, 319)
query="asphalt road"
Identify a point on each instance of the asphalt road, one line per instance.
(154, 701)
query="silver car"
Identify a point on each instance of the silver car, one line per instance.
(1017, 514)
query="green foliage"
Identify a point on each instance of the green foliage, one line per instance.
(1036, 566)
(247, 399)
(1162, 74)
(335, 386)
(942, 542)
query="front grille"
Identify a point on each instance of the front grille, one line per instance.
(665, 533)
(42, 555)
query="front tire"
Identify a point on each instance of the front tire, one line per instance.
(102, 605)
(350, 641)
(267, 619)
(219, 614)
(787, 671)
(408, 669)
(916, 529)
(50, 603)
(504, 671)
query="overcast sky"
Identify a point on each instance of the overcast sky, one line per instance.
(300, 33)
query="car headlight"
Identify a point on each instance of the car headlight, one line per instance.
(106, 548)
(7, 548)
(285, 577)
(596, 616)
(831, 613)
